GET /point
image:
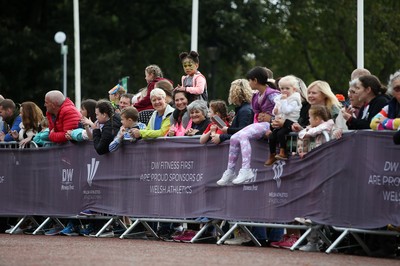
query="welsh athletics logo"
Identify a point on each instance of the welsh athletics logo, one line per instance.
(92, 169)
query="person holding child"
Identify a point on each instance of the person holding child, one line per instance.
(217, 108)
(129, 120)
(240, 95)
(193, 82)
(320, 121)
(287, 106)
(159, 122)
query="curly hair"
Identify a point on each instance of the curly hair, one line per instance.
(32, 115)
(219, 106)
(240, 92)
(192, 55)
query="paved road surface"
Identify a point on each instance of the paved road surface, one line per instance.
(64, 250)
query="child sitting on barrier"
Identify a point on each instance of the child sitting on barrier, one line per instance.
(320, 121)
(217, 108)
(287, 106)
(129, 120)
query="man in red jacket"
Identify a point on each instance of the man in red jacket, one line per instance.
(61, 114)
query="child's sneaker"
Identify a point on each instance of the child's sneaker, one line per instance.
(226, 178)
(244, 175)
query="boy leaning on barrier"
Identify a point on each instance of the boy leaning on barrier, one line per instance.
(129, 120)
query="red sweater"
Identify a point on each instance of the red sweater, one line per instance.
(67, 118)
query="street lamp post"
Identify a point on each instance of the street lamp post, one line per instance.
(60, 37)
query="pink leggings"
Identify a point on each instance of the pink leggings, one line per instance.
(241, 140)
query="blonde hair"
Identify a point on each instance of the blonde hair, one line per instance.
(240, 92)
(330, 99)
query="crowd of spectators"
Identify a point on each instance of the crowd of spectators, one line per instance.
(263, 109)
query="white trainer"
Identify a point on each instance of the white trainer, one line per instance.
(244, 175)
(226, 178)
(310, 247)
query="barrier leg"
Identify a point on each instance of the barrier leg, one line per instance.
(17, 225)
(337, 241)
(130, 228)
(148, 227)
(227, 234)
(104, 227)
(362, 244)
(250, 235)
(41, 225)
(302, 237)
(199, 233)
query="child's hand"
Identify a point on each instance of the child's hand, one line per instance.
(296, 127)
(213, 129)
(180, 88)
(68, 135)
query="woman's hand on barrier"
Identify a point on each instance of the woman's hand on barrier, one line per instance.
(23, 142)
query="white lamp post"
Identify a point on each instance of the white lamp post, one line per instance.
(60, 38)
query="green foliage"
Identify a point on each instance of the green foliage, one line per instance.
(309, 38)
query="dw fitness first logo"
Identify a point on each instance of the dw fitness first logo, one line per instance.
(92, 169)
(278, 171)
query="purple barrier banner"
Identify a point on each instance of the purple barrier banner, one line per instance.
(351, 182)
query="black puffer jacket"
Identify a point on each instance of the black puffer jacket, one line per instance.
(102, 138)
